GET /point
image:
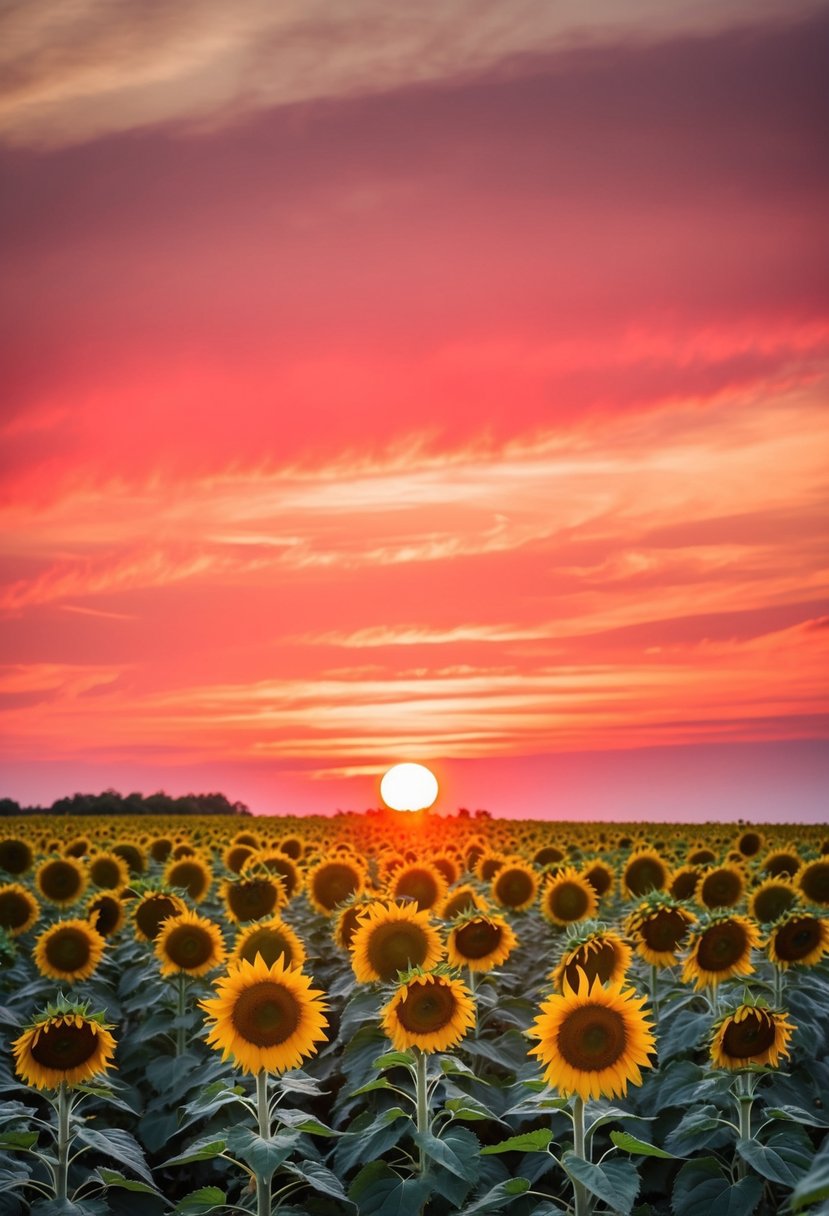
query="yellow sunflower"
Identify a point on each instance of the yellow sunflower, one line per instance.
(487, 865)
(278, 864)
(235, 856)
(463, 899)
(813, 881)
(332, 882)
(432, 1012)
(18, 908)
(600, 876)
(271, 938)
(160, 848)
(152, 909)
(106, 913)
(721, 948)
(568, 897)
(16, 856)
(798, 939)
(721, 887)
(69, 950)
(600, 954)
(348, 919)
(268, 1018)
(392, 938)
(644, 871)
(108, 871)
(547, 855)
(480, 942)
(61, 880)
(191, 874)
(657, 927)
(593, 1040)
(419, 881)
(751, 1036)
(771, 899)
(65, 1044)
(133, 855)
(189, 944)
(683, 882)
(749, 843)
(253, 896)
(515, 885)
(781, 861)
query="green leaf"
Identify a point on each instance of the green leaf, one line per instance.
(469, 1109)
(696, 1129)
(264, 1156)
(378, 1083)
(113, 1178)
(369, 1138)
(205, 1199)
(316, 1176)
(444, 1155)
(701, 1189)
(394, 1059)
(814, 1185)
(18, 1139)
(630, 1144)
(528, 1142)
(204, 1149)
(615, 1182)
(795, 1114)
(783, 1163)
(499, 1197)
(299, 1121)
(378, 1191)
(116, 1145)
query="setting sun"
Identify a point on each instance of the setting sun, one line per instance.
(409, 787)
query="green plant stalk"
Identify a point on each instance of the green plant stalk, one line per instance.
(779, 977)
(422, 1102)
(62, 1171)
(263, 1181)
(579, 1189)
(181, 1009)
(745, 1101)
(655, 993)
(473, 986)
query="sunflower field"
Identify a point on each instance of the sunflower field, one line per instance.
(407, 1015)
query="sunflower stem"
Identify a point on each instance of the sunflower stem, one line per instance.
(181, 1009)
(745, 1101)
(473, 984)
(263, 1181)
(778, 987)
(655, 993)
(422, 1096)
(62, 1172)
(579, 1189)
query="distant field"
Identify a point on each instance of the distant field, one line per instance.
(390, 1014)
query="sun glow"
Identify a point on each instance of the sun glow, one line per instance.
(409, 787)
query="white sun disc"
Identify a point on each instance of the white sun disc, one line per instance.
(409, 787)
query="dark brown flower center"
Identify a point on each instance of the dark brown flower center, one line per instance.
(15, 909)
(65, 1047)
(152, 912)
(60, 880)
(461, 901)
(490, 867)
(664, 929)
(599, 878)
(684, 884)
(478, 938)
(568, 901)
(592, 1037)
(191, 877)
(782, 863)
(701, 857)
(252, 898)
(334, 883)
(645, 874)
(427, 1007)
(722, 946)
(750, 1037)
(772, 902)
(513, 887)
(814, 882)
(797, 938)
(237, 856)
(68, 950)
(270, 943)
(396, 947)
(721, 889)
(104, 913)
(105, 872)
(188, 946)
(596, 964)
(749, 844)
(266, 1014)
(15, 856)
(419, 885)
(548, 855)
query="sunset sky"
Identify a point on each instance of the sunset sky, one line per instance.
(441, 382)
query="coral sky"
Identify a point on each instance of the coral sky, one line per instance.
(444, 384)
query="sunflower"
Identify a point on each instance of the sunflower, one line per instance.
(106, 913)
(700, 855)
(480, 942)
(18, 909)
(235, 856)
(644, 871)
(515, 885)
(600, 876)
(190, 874)
(16, 856)
(599, 953)
(61, 880)
(278, 864)
(798, 938)
(593, 1040)
(160, 848)
(813, 881)
(568, 897)
(252, 896)
(657, 927)
(771, 898)
(721, 887)
(751, 1036)
(348, 918)
(108, 871)
(421, 882)
(69, 950)
(271, 938)
(152, 910)
(133, 855)
(749, 843)
(779, 862)
(464, 898)
(292, 846)
(721, 947)
(684, 881)
(189, 944)
(392, 938)
(547, 855)
(268, 1018)
(430, 1011)
(487, 865)
(63, 1045)
(332, 882)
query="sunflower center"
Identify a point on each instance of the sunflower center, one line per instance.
(60, 880)
(266, 1014)
(815, 882)
(461, 901)
(796, 939)
(252, 898)
(14, 909)
(478, 938)
(596, 964)
(418, 885)
(749, 844)
(513, 887)
(684, 885)
(396, 947)
(599, 879)
(191, 877)
(782, 863)
(750, 1037)
(664, 929)
(150, 914)
(189, 946)
(773, 902)
(65, 1047)
(68, 950)
(721, 946)
(490, 868)
(105, 873)
(569, 901)
(103, 913)
(334, 884)
(721, 889)
(645, 874)
(427, 1007)
(270, 944)
(15, 856)
(592, 1038)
